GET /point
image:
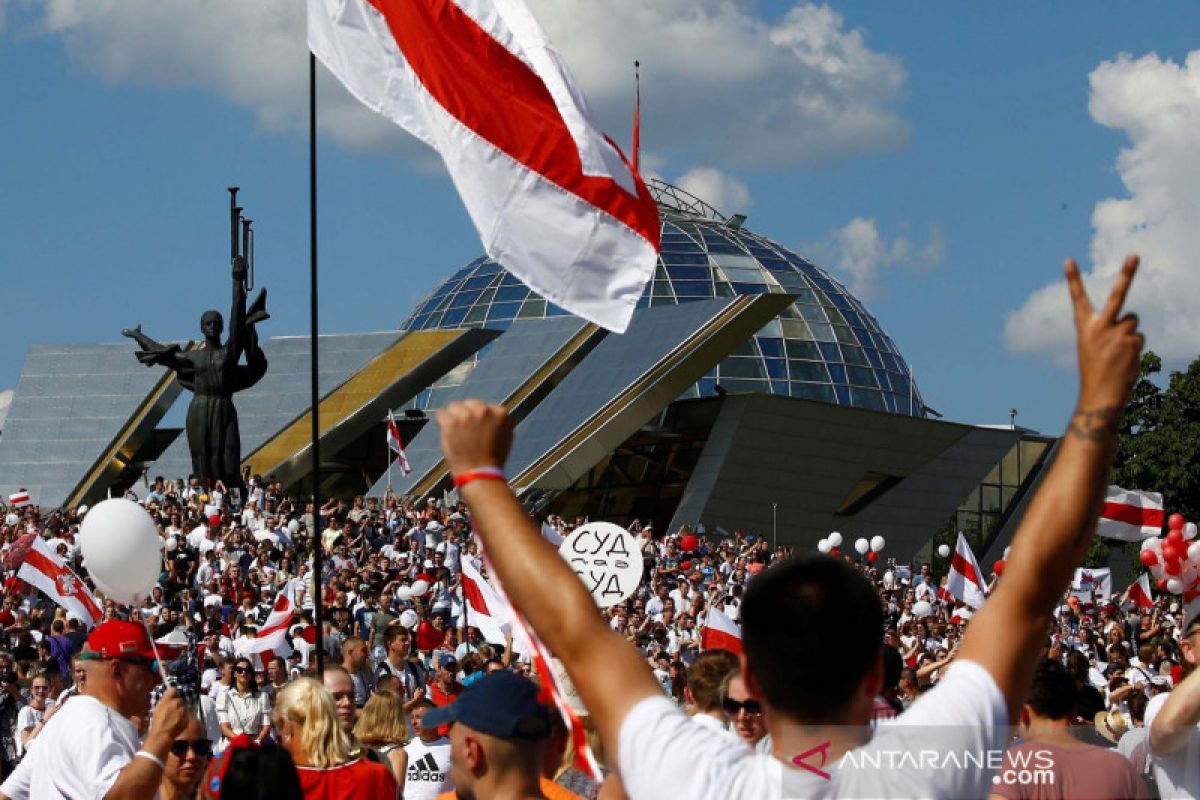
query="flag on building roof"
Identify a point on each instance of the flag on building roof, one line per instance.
(554, 200)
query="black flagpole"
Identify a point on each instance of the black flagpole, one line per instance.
(317, 551)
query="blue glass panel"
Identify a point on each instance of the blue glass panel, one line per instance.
(882, 377)
(805, 350)
(503, 311)
(861, 376)
(463, 299)
(821, 332)
(771, 347)
(476, 314)
(890, 399)
(741, 368)
(507, 294)
(866, 398)
(779, 388)
(453, 317)
(749, 288)
(477, 281)
(829, 351)
(873, 357)
(693, 288)
(533, 308)
(488, 268)
(854, 355)
(682, 273)
(745, 386)
(821, 392)
(813, 371)
(414, 324)
(843, 395)
(510, 280)
(643, 302)
(811, 313)
(853, 318)
(776, 368)
(553, 310)
(837, 372)
(688, 259)
(707, 387)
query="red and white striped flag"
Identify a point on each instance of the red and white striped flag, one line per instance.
(553, 199)
(271, 639)
(1140, 592)
(484, 609)
(396, 445)
(43, 569)
(965, 581)
(20, 499)
(720, 632)
(1131, 516)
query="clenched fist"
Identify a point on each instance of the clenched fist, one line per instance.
(474, 434)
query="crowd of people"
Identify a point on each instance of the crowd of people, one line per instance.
(398, 695)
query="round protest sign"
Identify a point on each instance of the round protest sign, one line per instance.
(606, 558)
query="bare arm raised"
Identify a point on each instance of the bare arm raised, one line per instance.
(1007, 634)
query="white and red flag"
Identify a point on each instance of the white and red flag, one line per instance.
(1131, 516)
(20, 499)
(720, 632)
(396, 445)
(965, 581)
(485, 609)
(271, 639)
(554, 200)
(1140, 592)
(42, 568)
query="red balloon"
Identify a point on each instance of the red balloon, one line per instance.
(214, 520)
(1170, 552)
(1175, 522)
(998, 567)
(688, 543)
(1148, 558)
(1175, 537)
(872, 556)
(1173, 566)
(1162, 585)
(686, 565)
(835, 552)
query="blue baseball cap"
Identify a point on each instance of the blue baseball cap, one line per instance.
(500, 704)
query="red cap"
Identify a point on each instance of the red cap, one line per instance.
(119, 639)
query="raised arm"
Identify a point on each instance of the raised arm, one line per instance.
(237, 311)
(609, 673)
(1007, 634)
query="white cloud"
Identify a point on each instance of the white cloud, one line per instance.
(720, 85)
(858, 254)
(721, 191)
(1156, 103)
(6, 398)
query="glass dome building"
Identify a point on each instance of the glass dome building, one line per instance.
(826, 346)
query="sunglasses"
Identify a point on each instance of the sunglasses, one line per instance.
(201, 747)
(149, 663)
(242, 670)
(733, 707)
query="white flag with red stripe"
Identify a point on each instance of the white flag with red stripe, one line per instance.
(43, 569)
(20, 499)
(1140, 592)
(271, 639)
(485, 609)
(1131, 516)
(965, 581)
(396, 445)
(720, 632)
(553, 199)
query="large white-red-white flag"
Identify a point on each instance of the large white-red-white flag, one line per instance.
(1140, 592)
(20, 499)
(484, 608)
(271, 638)
(554, 200)
(965, 581)
(43, 569)
(720, 632)
(396, 445)
(1131, 516)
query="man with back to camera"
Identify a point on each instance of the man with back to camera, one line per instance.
(815, 715)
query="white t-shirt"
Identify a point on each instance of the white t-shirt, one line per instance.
(1178, 773)
(664, 754)
(28, 717)
(428, 773)
(80, 752)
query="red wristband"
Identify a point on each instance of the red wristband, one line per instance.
(479, 474)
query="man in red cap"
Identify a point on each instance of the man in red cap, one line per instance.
(90, 748)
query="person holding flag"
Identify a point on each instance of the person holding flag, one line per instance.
(396, 445)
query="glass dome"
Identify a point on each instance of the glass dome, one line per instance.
(826, 346)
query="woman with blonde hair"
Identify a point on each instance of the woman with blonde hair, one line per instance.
(382, 728)
(326, 759)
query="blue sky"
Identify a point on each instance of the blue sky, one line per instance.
(942, 158)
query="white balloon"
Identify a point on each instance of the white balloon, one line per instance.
(1174, 586)
(1148, 544)
(889, 579)
(170, 544)
(12, 520)
(877, 543)
(409, 618)
(122, 548)
(1189, 531)
(944, 551)
(834, 539)
(420, 587)
(1193, 551)
(293, 526)
(403, 593)
(1188, 572)
(824, 546)
(862, 546)
(921, 608)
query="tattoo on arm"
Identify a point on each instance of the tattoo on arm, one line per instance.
(1095, 424)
